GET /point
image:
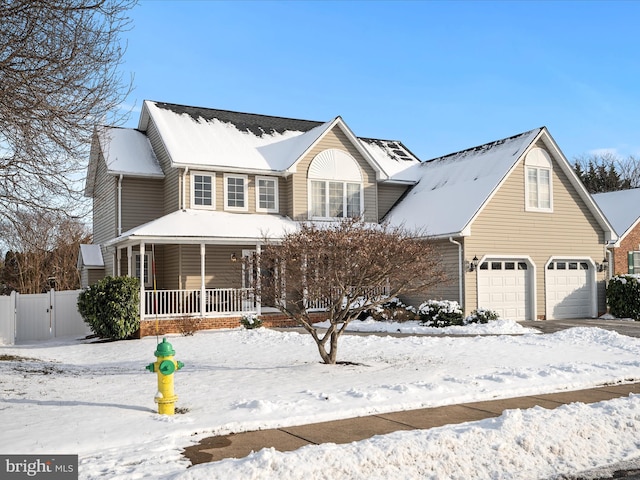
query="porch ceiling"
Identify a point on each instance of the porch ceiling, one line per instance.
(204, 226)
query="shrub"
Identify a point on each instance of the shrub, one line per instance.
(393, 310)
(251, 321)
(188, 325)
(481, 316)
(111, 307)
(623, 296)
(440, 313)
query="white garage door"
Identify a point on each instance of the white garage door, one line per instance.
(568, 289)
(504, 287)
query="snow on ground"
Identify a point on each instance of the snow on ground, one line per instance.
(96, 400)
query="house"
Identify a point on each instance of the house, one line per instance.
(621, 208)
(182, 198)
(519, 232)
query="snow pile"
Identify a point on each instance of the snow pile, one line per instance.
(96, 400)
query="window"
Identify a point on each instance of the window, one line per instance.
(634, 262)
(147, 269)
(335, 186)
(202, 190)
(538, 185)
(266, 194)
(235, 192)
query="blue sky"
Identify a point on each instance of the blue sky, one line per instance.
(440, 76)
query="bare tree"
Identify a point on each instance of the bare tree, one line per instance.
(342, 269)
(59, 77)
(42, 251)
(607, 172)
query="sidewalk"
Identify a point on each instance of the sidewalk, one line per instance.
(349, 430)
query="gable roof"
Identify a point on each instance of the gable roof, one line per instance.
(197, 137)
(126, 152)
(621, 209)
(453, 190)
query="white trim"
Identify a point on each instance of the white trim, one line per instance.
(192, 180)
(592, 278)
(327, 198)
(245, 179)
(257, 189)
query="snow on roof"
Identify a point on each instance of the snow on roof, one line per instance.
(127, 151)
(622, 208)
(191, 224)
(452, 189)
(90, 256)
(245, 141)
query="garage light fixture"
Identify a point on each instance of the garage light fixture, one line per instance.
(473, 264)
(602, 266)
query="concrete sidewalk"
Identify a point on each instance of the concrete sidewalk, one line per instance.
(349, 430)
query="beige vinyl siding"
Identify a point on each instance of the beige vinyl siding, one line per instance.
(449, 288)
(388, 195)
(142, 201)
(338, 140)
(285, 193)
(172, 180)
(104, 211)
(220, 272)
(89, 276)
(154, 251)
(505, 228)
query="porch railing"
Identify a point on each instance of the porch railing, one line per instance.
(218, 301)
(320, 304)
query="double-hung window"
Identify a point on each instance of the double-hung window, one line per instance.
(203, 190)
(147, 269)
(335, 186)
(266, 194)
(538, 181)
(235, 192)
(331, 199)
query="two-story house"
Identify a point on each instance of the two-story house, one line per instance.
(179, 201)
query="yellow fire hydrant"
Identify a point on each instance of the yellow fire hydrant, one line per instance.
(165, 366)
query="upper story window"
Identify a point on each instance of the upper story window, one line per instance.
(538, 181)
(335, 186)
(266, 194)
(235, 192)
(203, 190)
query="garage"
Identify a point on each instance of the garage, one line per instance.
(505, 286)
(569, 289)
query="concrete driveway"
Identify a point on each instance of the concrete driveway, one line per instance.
(624, 327)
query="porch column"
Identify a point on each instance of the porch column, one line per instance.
(142, 299)
(118, 261)
(203, 300)
(258, 278)
(129, 255)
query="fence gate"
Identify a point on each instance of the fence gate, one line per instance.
(34, 317)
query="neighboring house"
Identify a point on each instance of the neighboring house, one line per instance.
(180, 200)
(520, 233)
(622, 208)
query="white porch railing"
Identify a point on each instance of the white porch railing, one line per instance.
(218, 301)
(324, 303)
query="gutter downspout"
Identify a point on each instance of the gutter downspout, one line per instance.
(460, 278)
(184, 188)
(120, 205)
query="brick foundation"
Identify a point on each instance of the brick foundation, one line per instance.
(190, 324)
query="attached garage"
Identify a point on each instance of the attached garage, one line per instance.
(506, 287)
(570, 289)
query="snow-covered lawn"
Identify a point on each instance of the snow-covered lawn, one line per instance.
(96, 400)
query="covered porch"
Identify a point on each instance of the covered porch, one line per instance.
(194, 263)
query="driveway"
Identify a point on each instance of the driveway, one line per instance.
(624, 327)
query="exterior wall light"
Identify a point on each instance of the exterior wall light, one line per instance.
(473, 264)
(234, 258)
(602, 266)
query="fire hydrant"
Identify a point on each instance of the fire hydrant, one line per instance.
(165, 366)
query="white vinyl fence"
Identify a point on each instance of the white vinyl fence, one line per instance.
(43, 316)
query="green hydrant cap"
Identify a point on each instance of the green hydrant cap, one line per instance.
(165, 349)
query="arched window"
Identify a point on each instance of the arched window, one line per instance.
(538, 181)
(335, 186)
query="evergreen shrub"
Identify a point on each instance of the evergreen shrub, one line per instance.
(440, 313)
(481, 316)
(623, 296)
(111, 307)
